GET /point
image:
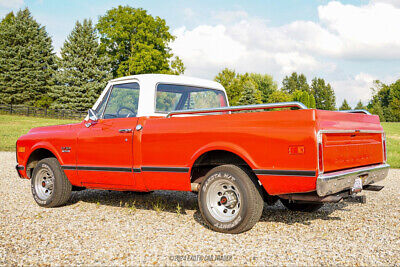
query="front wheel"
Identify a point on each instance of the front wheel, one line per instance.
(229, 199)
(298, 206)
(49, 184)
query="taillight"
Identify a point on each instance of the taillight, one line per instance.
(384, 147)
(320, 152)
(320, 159)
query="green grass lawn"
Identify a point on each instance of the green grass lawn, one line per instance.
(12, 127)
(392, 130)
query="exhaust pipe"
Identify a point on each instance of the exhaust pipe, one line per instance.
(195, 187)
(312, 198)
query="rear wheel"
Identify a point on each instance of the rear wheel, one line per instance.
(299, 206)
(229, 199)
(49, 184)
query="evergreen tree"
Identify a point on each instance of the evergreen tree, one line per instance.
(8, 18)
(250, 94)
(360, 105)
(295, 82)
(305, 98)
(27, 61)
(83, 74)
(345, 106)
(323, 94)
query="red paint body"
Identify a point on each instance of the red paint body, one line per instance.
(262, 139)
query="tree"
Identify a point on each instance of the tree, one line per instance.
(227, 78)
(304, 97)
(234, 84)
(295, 82)
(136, 42)
(394, 105)
(345, 105)
(323, 94)
(250, 94)
(377, 109)
(360, 105)
(380, 101)
(27, 61)
(8, 18)
(83, 74)
(265, 84)
(279, 96)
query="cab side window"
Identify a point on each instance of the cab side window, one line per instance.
(123, 101)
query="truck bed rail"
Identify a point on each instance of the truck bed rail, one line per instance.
(357, 111)
(238, 108)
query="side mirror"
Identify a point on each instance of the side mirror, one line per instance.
(92, 118)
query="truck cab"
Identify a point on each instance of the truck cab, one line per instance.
(165, 132)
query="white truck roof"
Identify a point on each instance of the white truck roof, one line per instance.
(148, 84)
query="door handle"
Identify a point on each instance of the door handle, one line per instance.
(125, 130)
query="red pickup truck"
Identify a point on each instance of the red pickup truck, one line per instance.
(163, 132)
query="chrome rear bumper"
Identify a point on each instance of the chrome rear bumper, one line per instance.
(330, 183)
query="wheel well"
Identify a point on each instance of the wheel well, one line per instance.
(35, 157)
(212, 159)
(215, 158)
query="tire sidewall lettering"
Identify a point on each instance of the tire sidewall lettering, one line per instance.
(210, 180)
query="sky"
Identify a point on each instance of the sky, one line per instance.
(349, 43)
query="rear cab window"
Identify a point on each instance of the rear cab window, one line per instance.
(172, 97)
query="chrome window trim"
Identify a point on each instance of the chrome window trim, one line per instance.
(182, 84)
(108, 97)
(111, 88)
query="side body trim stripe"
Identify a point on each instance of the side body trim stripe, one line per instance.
(90, 168)
(184, 170)
(285, 172)
(165, 169)
(121, 169)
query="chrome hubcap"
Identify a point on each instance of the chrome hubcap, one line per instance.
(44, 183)
(223, 200)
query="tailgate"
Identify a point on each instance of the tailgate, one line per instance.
(349, 140)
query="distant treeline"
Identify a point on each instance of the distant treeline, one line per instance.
(128, 41)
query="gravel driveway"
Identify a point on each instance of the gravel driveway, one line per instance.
(114, 228)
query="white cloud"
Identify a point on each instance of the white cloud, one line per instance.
(395, 3)
(343, 32)
(369, 31)
(11, 3)
(354, 89)
(247, 46)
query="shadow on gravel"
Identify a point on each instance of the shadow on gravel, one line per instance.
(166, 201)
(278, 213)
(180, 202)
